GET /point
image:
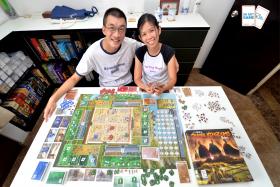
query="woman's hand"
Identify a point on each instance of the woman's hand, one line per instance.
(148, 89)
(159, 89)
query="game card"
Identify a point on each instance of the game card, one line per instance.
(75, 175)
(183, 172)
(150, 153)
(57, 121)
(65, 121)
(60, 135)
(51, 135)
(248, 15)
(104, 176)
(40, 170)
(261, 15)
(54, 150)
(71, 94)
(187, 91)
(44, 151)
(66, 108)
(90, 174)
(56, 177)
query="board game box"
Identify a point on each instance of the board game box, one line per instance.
(216, 158)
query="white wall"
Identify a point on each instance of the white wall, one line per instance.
(215, 13)
(32, 7)
(38, 6)
(3, 16)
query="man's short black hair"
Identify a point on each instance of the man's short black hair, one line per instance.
(116, 12)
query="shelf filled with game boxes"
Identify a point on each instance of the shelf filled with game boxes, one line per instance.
(28, 98)
(12, 68)
(24, 88)
(56, 52)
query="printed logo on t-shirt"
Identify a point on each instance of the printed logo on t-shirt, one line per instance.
(152, 69)
(114, 68)
(153, 65)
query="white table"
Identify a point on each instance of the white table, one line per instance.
(196, 104)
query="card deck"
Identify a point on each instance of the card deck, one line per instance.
(40, 170)
(56, 177)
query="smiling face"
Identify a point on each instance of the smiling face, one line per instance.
(149, 35)
(114, 31)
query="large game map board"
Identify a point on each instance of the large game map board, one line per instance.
(123, 131)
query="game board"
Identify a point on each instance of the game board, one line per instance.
(123, 131)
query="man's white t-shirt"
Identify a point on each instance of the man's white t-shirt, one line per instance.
(113, 68)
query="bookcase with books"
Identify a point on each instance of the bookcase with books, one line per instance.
(56, 52)
(23, 87)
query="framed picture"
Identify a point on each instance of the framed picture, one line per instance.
(166, 5)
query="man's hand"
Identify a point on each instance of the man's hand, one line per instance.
(51, 106)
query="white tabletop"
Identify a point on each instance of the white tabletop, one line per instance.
(37, 23)
(197, 103)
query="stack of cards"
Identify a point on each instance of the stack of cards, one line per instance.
(40, 170)
(56, 177)
(254, 17)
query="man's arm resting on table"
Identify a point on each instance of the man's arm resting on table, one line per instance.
(65, 87)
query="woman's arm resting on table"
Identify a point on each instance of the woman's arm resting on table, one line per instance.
(138, 77)
(172, 69)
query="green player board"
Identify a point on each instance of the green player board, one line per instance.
(123, 131)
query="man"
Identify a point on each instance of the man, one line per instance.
(111, 57)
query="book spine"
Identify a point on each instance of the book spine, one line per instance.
(51, 69)
(30, 98)
(25, 92)
(61, 37)
(57, 49)
(38, 48)
(30, 89)
(63, 49)
(45, 67)
(79, 47)
(71, 50)
(58, 69)
(22, 98)
(35, 85)
(54, 52)
(46, 48)
(36, 72)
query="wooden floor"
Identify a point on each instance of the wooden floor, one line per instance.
(260, 133)
(267, 100)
